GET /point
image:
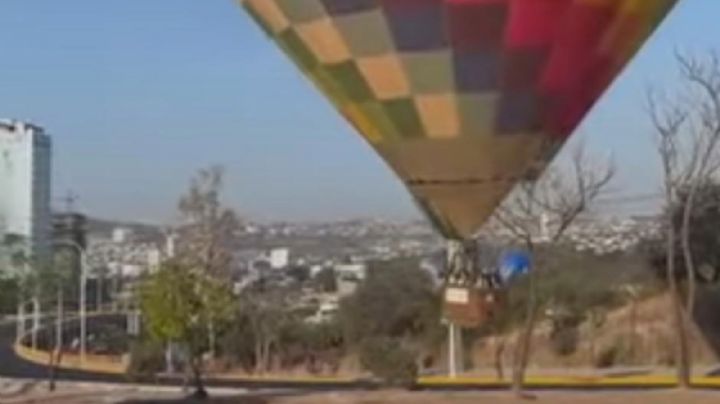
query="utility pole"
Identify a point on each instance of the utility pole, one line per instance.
(82, 309)
(454, 350)
(20, 320)
(35, 320)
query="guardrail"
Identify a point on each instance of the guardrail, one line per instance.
(107, 364)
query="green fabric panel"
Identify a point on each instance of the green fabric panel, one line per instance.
(329, 87)
(477, 114)
(301, 11)
(260, 22)
(366, 33)
(378, 115)
(430, 72)
(349, 78)
(403, 114)
(294, 46)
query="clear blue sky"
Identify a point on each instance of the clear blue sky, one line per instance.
(138, 94)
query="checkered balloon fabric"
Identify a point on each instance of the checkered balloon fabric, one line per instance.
(461, 97)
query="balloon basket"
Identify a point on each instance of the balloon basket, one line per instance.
(471, 307)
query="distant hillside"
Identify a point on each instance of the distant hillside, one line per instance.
(104, 228)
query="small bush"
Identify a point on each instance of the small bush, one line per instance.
(146, 359)
(564, 341)
(614, 354)
(388, 360)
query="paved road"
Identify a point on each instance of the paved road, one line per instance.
(15, 367)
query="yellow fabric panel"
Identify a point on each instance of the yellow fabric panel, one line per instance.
(385, 76)
(439, 114)
(361, 122)
(324, 41)
(270, 13)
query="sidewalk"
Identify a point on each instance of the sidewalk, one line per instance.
(22, 391)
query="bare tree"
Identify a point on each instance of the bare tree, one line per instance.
(667, 124)
(266, 314)
(208, 229)
(688, 139)
(549, 205)
(704, 124)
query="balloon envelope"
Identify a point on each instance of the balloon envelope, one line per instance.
(462, 98)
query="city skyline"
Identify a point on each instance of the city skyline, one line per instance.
(137, 104)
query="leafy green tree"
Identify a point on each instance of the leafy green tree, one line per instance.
(178, 302)
(393, 316)
(396, 300)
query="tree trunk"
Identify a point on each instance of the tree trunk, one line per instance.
(211, 338)
(20, 320)
(99, 292)
(499, 351)
(116, 290)
(196, 367)
(682, 349)
(266, 354)
(35, 320)
(687, 251)
(56, 354)
(633, 329)
(521, 355)
(259, 363)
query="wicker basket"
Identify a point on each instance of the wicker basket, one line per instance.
(470, 307)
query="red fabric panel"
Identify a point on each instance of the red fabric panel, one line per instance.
(476, 24)
(534, 23)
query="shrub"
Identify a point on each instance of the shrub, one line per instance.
(389, 361)
(564, 341)
(147, 357)
(614, 354)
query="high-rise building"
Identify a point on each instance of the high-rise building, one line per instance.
(25, 184)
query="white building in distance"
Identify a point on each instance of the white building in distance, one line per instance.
(25, 184)
(279, 258)
(349, 277)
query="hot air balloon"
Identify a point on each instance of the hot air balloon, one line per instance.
(461, 98)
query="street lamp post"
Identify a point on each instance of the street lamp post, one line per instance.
(83, 297)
